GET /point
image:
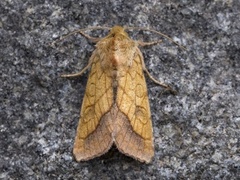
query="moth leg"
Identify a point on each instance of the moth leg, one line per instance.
(80, 31)
(80, 73)
(93, 39)
(159, 33)
(141, 43)
(169, 88)
(155, 80)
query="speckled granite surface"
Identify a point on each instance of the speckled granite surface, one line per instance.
(196, 132)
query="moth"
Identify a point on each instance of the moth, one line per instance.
(115, 107)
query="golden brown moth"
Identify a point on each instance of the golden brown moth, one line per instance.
(115, 107)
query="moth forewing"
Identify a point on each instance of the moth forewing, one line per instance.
(132, 101)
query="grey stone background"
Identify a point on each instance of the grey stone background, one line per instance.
(196, 132)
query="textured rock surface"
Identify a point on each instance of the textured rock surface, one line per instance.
(196, 132)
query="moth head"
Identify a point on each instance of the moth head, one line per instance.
(118, 31)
